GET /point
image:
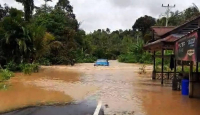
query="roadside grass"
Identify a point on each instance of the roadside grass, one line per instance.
(3, 86)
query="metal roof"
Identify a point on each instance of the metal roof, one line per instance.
(169, 39)
(160, 30)
(185, 28)
(176, 33)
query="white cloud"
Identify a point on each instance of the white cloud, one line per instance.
(113, 14)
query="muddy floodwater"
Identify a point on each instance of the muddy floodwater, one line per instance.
(119, 87)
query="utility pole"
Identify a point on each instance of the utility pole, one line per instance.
(168, 9)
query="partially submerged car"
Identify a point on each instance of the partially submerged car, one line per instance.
(101, 62)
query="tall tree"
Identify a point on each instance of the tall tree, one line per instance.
(4, 11)
(28, 8)
(65, 5)
(108, 30)
(143, 24)
(191, 12)
(176, 18)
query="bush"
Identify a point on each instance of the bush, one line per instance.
(5, 74)
(87, 59)
(29, 68)
(135, 58)
(12, 66)
(146, 58)
(44, 61)
(136, 54)
(4, 86)
(127, 58)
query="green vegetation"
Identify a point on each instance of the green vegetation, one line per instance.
(5, 74)
(136, 54)
(29, 68)
(3, 86)
(52, 35)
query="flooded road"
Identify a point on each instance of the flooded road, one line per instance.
(120, 88)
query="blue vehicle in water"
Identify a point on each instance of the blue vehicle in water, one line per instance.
(101, 62)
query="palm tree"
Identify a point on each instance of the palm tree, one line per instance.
(15, 37)
(18, 41)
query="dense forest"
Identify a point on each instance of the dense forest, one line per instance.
(48, 35)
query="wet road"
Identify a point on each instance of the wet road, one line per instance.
(119, 87)
(84, 108)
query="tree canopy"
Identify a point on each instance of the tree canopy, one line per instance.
(143, 24)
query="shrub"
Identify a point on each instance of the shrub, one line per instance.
(127, 58)
(12, 66)
(5, 74)
(44, 61)
(29, 68)
(135, 58)
(3, 86)
(87, 59)
(136, 54)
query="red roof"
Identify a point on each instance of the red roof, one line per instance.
(160, 30)
(169, 39)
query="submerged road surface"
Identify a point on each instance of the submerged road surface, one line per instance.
(119, 87)
(83, 108)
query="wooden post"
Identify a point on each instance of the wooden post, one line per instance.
(191, 80)
(154, 66)
(162, 66)
(175, 68)
(154, 60)
(182, 66)
(197, 67)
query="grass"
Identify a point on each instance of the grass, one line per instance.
(5, 74)
(3, 86)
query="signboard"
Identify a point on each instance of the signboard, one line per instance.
(186, 48)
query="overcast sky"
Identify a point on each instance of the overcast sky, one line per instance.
(114, 14)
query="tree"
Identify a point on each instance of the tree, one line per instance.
(143, 24)
(28, 8)
(65, 5)
(177, 18)
(191, 12)
(66, 32)
(4, 11)
(21, 40)
(15, 40)
(108, 30)
(41, 40)
(46, 4)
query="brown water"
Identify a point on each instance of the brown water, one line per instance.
(119, 86)
(22, 94)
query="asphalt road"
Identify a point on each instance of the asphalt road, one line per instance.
(83, 108)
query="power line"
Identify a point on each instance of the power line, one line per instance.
(168, 9)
